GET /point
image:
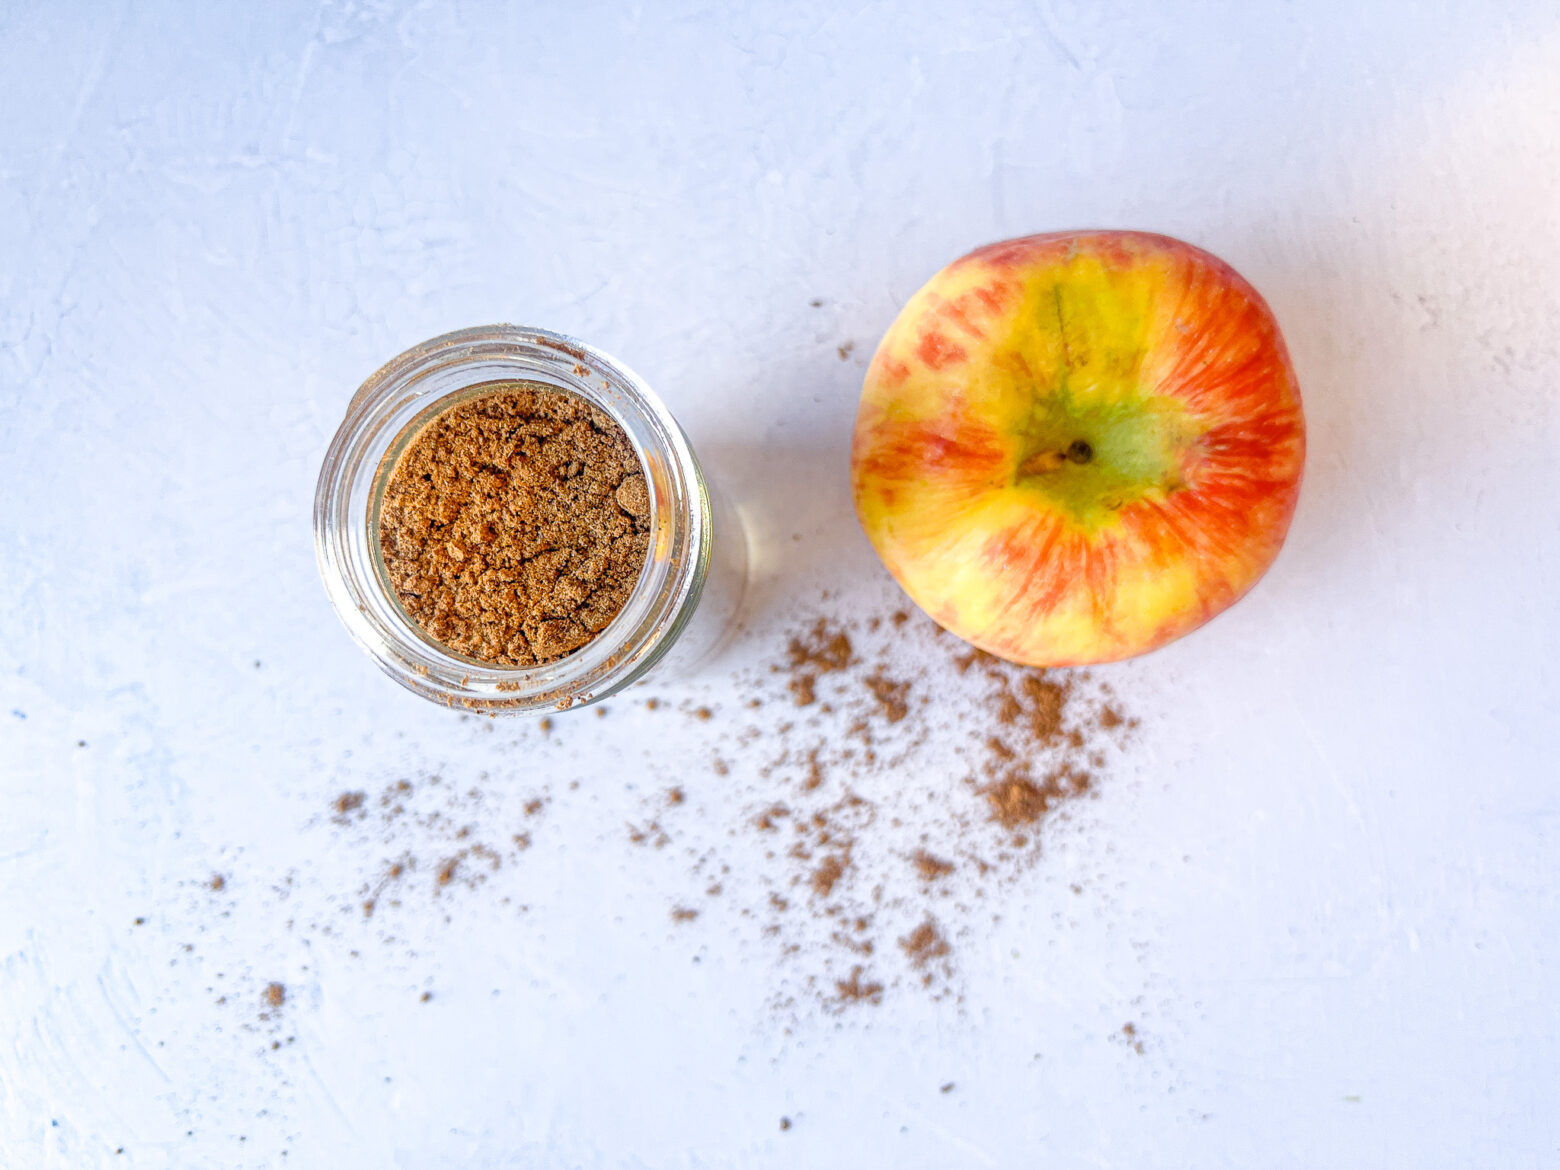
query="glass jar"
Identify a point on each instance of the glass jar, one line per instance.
(684, 605)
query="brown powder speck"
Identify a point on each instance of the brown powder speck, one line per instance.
(1017, 800)
(828, 874)
(766, 819)
(948, 1088)
(930, 867)
(814, 778)
(515, 525)
(890, 696)
(924, 944)
(855, 990)
(857, 945)
(218, 883)
(823, 649)
(804, 690)
(845, 349)
(785, 1124)
(275, 995)
(545, 726)
(1046, 700)
(651, 834)
(964, 758)
(348, 801)
(425, 997)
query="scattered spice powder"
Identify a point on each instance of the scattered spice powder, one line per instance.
(1129, 1033)
(803, 690)
(828, 874)
(275, 995)
(814, 779)
(929, 867)
(766, 819)
(853, 989)
(890, 696)
(823, 649)
(515, 524)
(925, 944)
(818, 811)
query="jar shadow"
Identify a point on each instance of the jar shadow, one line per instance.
(803, 540)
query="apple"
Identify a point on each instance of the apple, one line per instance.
(1076, 447)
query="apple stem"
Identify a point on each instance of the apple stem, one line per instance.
(1041, 462)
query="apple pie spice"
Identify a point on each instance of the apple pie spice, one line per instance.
(857, 806)
(514, 525)
(843, 850)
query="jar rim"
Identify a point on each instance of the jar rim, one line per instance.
(411, 386)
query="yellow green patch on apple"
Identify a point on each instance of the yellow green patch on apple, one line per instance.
(1076, 447)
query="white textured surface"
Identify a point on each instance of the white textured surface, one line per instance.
(1330, 869)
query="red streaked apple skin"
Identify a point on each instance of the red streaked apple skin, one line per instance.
(1076, 447)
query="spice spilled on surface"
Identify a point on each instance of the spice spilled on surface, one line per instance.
(854, 807)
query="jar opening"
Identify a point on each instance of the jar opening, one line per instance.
(507, 526)
(387, 414)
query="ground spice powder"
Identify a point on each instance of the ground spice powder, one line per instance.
(862, 826)
(514, 525)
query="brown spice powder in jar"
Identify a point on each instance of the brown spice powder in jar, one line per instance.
(515, 525)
